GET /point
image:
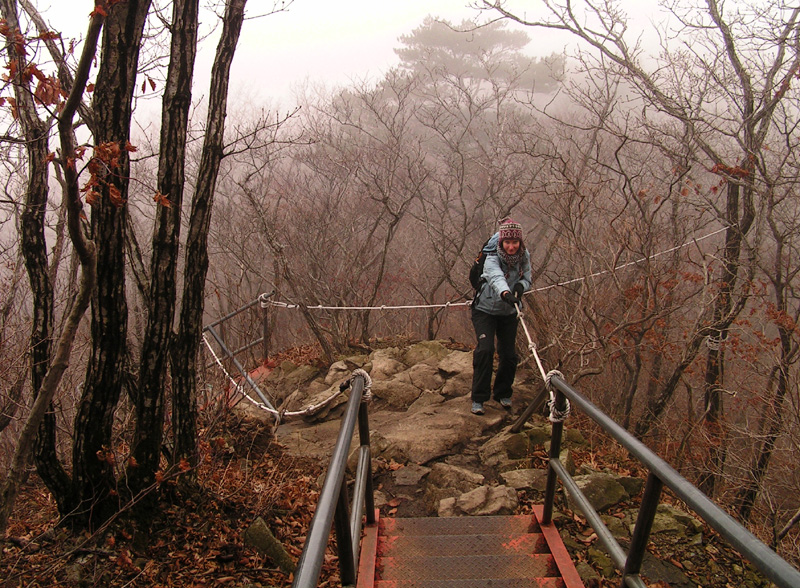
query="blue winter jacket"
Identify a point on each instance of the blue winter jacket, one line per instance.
(499, 277)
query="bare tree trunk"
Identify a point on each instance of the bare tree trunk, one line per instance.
(187, 341)
(176, 105)
(86, 254)
(34, 250)
(738, 227)
(93, 472)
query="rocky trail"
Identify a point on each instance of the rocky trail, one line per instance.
(432, 457)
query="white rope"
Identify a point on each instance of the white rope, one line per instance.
(382, 307)
(556, 416)
(282, 414)
(265, 299)
(628, 264)
(367, 397)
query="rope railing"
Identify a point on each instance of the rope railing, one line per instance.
(266, 300)
(278, 304)
(280, 415)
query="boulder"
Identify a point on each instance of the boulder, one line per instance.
(528, 479)
(483, 501)
(632, 485)
(669, 519)
(396, 393)
(285, 379)
(539, 435)
(424, 351)
(342, 370)
(433, 431)
(455, 363)
(314, 441)
(385, 369)
(458, 385)
(505, 450)
(410, 475)
(445, 475)
(424, 376)
(319, 398)
(601, 490)
(425, 400)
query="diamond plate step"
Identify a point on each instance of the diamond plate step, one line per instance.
(485, 583)
(427, 545)
(473, 567)
(494, 525)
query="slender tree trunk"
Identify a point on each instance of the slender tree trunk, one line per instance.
(176, 105)
(771, 429)
(86, 254)
(34, 250)
(187, 341)
(93, 472)
(724, 315)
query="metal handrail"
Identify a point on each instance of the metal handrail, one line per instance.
(332, 508)
(774, 567)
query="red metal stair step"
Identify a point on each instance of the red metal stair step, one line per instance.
(485, 583)
(499, 525)
(472, 567)
(427, 545)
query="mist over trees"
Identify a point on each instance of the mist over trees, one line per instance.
(657, 185)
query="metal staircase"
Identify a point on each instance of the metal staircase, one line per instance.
(465, 552)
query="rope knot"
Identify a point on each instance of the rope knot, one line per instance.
(548, 378)
(556, 415)
(367, 397)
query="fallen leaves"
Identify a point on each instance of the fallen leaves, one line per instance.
(187, 542)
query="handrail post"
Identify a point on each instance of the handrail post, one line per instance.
(363, 437)
(265, 333)
(555, 453)
(644, 524)
(344, 539)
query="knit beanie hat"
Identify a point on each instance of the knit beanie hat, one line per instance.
(510, 230)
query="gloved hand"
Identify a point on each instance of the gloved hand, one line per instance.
(518, 290)
(509, 298)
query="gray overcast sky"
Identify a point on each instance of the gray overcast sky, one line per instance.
(322, 41)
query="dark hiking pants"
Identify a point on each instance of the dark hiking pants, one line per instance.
(487, 328)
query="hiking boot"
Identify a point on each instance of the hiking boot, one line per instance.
(477, 408)
(505, 403)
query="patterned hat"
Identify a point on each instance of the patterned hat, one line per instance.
(510, 230)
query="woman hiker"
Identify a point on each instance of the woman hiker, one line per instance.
(506, 276)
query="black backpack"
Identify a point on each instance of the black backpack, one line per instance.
(476, 271)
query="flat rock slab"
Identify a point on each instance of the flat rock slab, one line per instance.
(433, 431)
(421, 435)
